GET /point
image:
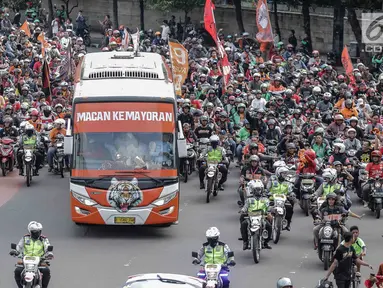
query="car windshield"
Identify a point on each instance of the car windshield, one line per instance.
(158, 284)
(124, 151)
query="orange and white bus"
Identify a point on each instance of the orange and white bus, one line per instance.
(124, 142)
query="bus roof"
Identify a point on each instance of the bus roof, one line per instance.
(124, 74)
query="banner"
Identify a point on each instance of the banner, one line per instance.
(136, 40)
(25, 28)
(124, 117)
(180, 64)
(347, 63)
(209, 20)
(265, 33)
(126, 40)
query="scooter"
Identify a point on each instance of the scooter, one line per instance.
(7, 155)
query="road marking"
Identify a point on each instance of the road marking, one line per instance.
(129, 262)
(10, 186)
(185, 204)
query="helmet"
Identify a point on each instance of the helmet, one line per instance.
(214, 140)
(310, 153)
(59, 106)
(353, 118)
(317, 89)
(284, 282)
(35, 112)
(23, 124)
(203, 118)
(35, 229)
(253, 146)
(290, 146)
(327, 95)
(256, 187)
(351, 130)
(376, 153)
(336, 163)
(341, 147)
(329, 174)
(212, 236)
(8, 120)
(278, 164)
(331, 195)
(60, 122)
(281, 171)
(338, 117)
(254, 158)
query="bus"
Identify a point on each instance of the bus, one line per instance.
(124, 141)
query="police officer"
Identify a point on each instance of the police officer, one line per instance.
(33, 244)
(214, 154)
(215, 252)
(29, 141)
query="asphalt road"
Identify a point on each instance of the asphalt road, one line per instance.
(106, 256)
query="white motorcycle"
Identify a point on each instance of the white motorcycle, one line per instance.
(31, 277)
(256, 233)
(212, 178)
(29, 163)
(279, 214)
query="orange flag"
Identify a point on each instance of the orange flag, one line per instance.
(25, 27)
(347, 63)
(41, 38)
(180, 64)
(265, 33)
(209, 20)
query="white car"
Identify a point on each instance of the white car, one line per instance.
(163, 280)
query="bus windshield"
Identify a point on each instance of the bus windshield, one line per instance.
(124, 151)
(120, 136)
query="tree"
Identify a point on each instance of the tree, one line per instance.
(67, 10)
(115, 13)
(307, 20)
(184, 5)
(238, 14)
(50, 17)
(276, 21)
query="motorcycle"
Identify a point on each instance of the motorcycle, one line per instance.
(376, 196)
(201, 148)
(212, 178)
(307, 188)
(7, 155)
(59, 157)
(256, 232)
(279, 214)
(362, 179)
(329, 238)
(214, 274)
(29, 163)
(189, 161)
(31, 277)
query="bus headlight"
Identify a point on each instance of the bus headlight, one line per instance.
(84, 200)
(165, 200)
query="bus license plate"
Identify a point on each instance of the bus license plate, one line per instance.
(125, 220)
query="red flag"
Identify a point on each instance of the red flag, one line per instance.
(209, 20)
(46, 81)
(347, 63)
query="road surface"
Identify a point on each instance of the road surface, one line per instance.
(105, 256)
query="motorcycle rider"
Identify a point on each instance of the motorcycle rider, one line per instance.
(186, 116)
(329, 185)
(256, 201)
(9, 130)
(284, 282)
(374, 170)
(33, 244)
(332, 207)
(203, 130)
(279, 185)
(352, 142)
(214, 153)
(215, 252)
(59, 129)
(47, 116)
(29, 140)
(339, 154)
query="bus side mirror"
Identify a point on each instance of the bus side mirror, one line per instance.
(68, 139)
(181, 142)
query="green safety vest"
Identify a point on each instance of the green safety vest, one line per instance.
(29, 141)
(257, 205)
(281, 188)
(327, 188)
(214, 155)
(33, 247)
(215, 255)
(358, 246)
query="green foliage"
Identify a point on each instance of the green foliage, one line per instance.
(168, 5)
(361, 4)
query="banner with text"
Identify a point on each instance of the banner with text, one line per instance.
(124, 117)
(180, 64)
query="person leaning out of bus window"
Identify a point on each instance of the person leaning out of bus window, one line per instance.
(161, 151)
(59, 129)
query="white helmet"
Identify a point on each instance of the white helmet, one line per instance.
(279, 163)
(280, 171)
(351, 130)
(214, 138)
(212, 232)
(29, 126)
(327, 95)
(23, 124)
(284, 282)
(341, 147)
(317, 89)
(329, 174)
(59, 122)
(256, 187)
(35, 229)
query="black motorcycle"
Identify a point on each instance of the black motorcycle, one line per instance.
(376, 196)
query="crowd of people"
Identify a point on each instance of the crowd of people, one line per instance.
(289, 104)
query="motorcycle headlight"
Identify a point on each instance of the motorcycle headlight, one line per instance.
(327, 232)
(29, 266)
(378, 184)
(279, 203)
(212, 275)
